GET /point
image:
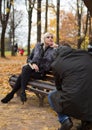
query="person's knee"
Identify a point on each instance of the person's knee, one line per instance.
(25, 68)
(49, 96)
(51, 93)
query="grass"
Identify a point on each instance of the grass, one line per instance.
(8, 53)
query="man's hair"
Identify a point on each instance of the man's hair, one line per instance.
(65, 43)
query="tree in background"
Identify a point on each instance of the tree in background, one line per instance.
(30, 6)
(84, 28)
(68, 27)
(88, 3)
(38, 20)
(5, 7)
(64, 25)
(13, 23)
(58, 19)
(46, 16)
(79, 19)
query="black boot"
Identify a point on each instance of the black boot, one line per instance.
(85, 125)
(66, 125)
(7, 98)
(23, 97)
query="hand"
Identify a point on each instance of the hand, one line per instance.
(34, 66)
(54, 45)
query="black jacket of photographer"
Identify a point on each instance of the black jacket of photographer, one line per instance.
(73, 75)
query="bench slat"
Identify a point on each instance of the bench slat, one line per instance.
(37, 85)
(47, 78)
(37, 90)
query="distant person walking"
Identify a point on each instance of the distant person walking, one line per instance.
(21, 51)
(15, 48)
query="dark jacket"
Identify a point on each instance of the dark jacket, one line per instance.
(43, 58)
(73, 74)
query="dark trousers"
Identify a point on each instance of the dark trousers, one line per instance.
(26, 74)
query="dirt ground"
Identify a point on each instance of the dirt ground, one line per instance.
(15, 115)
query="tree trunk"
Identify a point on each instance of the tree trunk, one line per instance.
(58, 12)
(2, 42)
(88, 3)
(13, 34)
(30, 10)
(79, 16)
(4, 20)
(38, 20)
(29, 30)
(46, 16)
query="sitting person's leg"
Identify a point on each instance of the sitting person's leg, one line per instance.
(26, 75)
(9, 96)
(22, 82)
(23, 78)
(66, 123)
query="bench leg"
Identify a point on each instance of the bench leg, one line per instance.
(41, 99)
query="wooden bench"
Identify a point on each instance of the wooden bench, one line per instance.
(40, 87)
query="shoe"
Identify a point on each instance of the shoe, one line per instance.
(23, 97)
(66, 125)
(85, 125)
(79, 127)
(7, 98)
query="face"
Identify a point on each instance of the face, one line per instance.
(48, 40)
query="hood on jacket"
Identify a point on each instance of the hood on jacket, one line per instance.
(63, 50)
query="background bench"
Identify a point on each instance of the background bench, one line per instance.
(40, 87)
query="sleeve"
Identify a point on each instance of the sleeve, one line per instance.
(29, 59)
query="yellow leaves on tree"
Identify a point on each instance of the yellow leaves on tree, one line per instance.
(68, 27)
